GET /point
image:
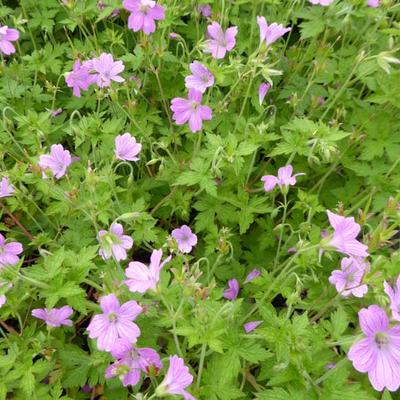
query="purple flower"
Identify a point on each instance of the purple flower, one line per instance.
(176, 379)
(344, 237)
(284, 179)
(126, 147)
(143, 15)
(6, 189)
(173, 35)
(321, 2)
(204, 10)
(220, 42)
(143, 278)
(3, 300)
(131, 361)
(8, 35)
(115, 322)
(348, 280)
(57, 162)
(270, 33)
(190, 110)
(9, 252)
(394, 297)
(54, 317)
(79, 78)
(106, 70)
(255, 273)
(373, 3)
(262, 91)
(201, 79)
(232, 292)
(185, 238)
(114, 243)
(54, 113)
(379, 352)
(250, 326)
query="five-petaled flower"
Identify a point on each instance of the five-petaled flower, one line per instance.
(349, 279)
(283, 180)
(126, 147)
(233, 290)
(270, 33)
(131, 361)
(176, 380)
(114, 243)
(6, 189)
(190, 110)
(201, 77)
(344, 237)
(106, 70)
(142, 278)
(220, 42)
(185, 238)
(55, 317)
(378, 353)
(115, 322)
(79, 78)
(143, 15)
(8, 35)
(57, 161)
(9, 252)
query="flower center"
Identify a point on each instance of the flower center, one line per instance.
(195, 104)
(121, 370)
(381, 339)
(112, 317)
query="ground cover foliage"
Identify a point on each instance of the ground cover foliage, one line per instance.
(200, 199)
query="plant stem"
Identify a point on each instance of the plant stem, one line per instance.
(201, 364)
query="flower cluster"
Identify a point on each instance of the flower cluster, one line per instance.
(100, 71)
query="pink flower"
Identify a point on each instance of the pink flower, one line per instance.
(190, 110)
(9, 252)
(348, 280)
(57, 162)
(394, 297)
(373, 3)
(176, 379)
(250, 326)
(255, 273)
(54, 317)
(6, 189)
(143, 278)
(232, 292)
(185, 238)
(379, 352)
(126, 147)
(144, 13)
(344, 237)
(79, 78)
(262, 91)
(114, 323)
(284, 179)
(220, 41)
(8, 35)
(204, 10)
(3, 300)
(114, 243)
(107, 70)
(131, 361)
(270, 33)
(201, 79)
(321, 2)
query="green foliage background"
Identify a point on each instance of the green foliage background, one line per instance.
(332, 112)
